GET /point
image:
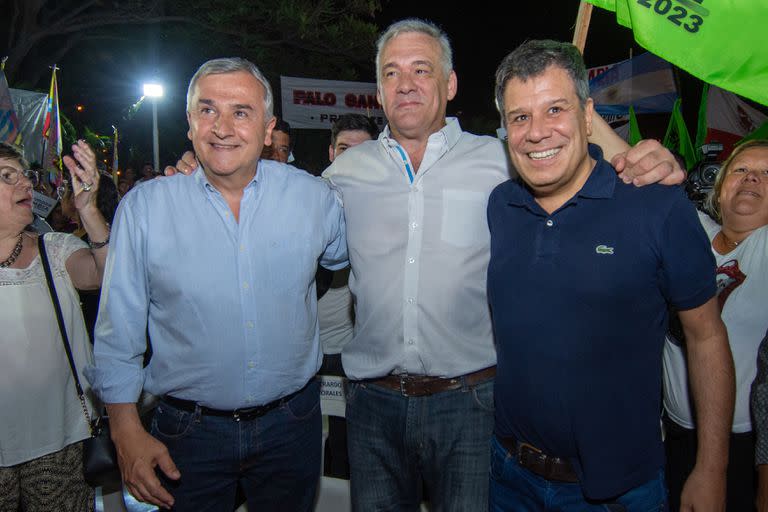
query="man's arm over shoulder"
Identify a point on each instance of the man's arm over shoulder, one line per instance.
(646, 162)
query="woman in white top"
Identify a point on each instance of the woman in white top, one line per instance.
(42, 424)
(740, 246)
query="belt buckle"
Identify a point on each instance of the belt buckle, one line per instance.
(403, 391)
(527, 447)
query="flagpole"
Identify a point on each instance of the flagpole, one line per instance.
(582, 26)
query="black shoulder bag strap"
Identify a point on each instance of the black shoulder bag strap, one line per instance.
(62, 327)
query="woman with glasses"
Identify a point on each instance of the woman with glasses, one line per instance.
(42, 422)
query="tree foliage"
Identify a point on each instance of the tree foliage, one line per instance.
(330, 36)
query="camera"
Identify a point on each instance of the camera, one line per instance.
(701, 179)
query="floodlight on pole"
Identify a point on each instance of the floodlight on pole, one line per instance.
(154, 91)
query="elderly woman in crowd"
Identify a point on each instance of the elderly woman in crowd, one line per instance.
(739, 202)
(43, 423)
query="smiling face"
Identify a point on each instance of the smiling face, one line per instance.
(413, 88)
(15, 200)
(744, 191)
(547, 132)
(227, 125)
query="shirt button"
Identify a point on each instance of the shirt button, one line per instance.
(414, 225)
(249, 325)
(410, 300)
(411, 341)
(251, 364)
(550, 223)
(411, 260)
(242, 248)
(245, 286)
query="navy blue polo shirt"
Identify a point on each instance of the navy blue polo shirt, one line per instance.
(579, 304)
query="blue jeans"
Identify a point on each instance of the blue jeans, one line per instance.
(275, 458)
(400, 445)
(514, 488)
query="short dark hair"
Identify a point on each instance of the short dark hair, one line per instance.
(282, 126)
(13, 152)
(352, 122)
(532, 58)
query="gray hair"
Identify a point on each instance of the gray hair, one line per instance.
(532, 58)
(232, 65)
(422, 27)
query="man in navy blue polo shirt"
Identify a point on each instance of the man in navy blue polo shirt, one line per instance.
(582, 269)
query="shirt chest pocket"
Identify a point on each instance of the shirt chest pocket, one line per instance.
(463, 221)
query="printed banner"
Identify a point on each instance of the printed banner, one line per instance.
(719, 41)
(332, 401)
(42, 204)
(312, 103)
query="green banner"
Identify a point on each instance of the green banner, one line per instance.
(722, 42)
(677, 138)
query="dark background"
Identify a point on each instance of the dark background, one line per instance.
(106, 76)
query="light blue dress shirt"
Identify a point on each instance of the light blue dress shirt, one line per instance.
(230, 307)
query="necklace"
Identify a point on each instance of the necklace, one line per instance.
(14, 254)
(728, 241)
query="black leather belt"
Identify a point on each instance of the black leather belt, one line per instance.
(552, 468)
(250, 413)
(423, 385)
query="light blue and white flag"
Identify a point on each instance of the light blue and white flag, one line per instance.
(645, 82)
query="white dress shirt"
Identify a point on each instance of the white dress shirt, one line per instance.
(419, 249)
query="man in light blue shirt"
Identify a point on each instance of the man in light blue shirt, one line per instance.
(219, 269)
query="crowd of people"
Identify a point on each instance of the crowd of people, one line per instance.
(499, 309)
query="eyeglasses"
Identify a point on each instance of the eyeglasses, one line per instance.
(11, 175)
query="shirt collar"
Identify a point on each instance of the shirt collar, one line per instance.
(202, 179)
(446, 137)
(600, 184)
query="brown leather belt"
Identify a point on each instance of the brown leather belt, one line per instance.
(534, 460)
(422, 385)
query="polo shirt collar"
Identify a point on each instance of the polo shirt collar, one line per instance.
(600, 184)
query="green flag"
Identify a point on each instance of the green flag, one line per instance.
(634, 128)
(701, 124)
(677, 138)
(722, 42)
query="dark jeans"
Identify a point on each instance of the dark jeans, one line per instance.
(681, 445)
(515, 489)
(275, 458)
(399, 446)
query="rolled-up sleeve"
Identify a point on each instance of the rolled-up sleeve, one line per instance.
(117, 375)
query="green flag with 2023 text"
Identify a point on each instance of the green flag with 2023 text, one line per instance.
(722, 42)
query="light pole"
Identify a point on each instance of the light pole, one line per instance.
(154, 91)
